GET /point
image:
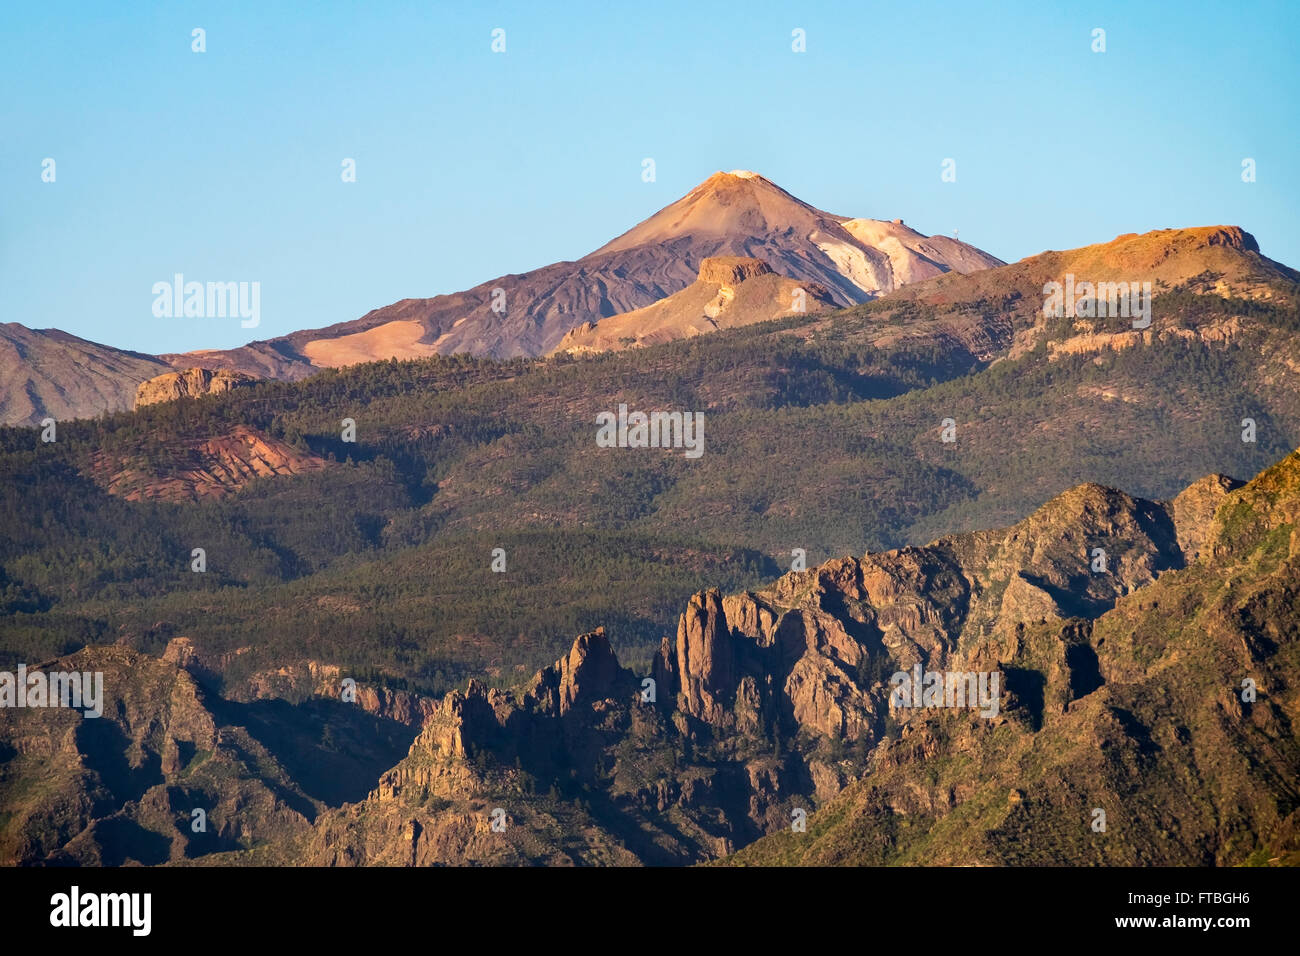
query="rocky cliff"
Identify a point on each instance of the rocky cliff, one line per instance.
(778, 699)
(189, 383)
(1122, 632)
(731, 291)
(1155, 733)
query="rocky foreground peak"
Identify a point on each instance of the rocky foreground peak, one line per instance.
(1138, 711)
(1117, 684)
(779, 698)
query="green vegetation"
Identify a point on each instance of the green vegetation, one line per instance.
(815, 438)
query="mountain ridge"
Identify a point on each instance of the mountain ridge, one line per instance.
(1171, 257)
(48, 373)
(727, 214)
(701, 772)
(518, 315)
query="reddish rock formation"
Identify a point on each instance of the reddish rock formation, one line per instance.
(189, 383)
(210, 467)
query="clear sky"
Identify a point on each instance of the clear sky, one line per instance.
(225, 165)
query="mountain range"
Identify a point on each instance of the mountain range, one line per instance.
(931, 471)
(1122, 694)
(847, 261)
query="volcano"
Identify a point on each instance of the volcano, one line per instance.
(738, 213)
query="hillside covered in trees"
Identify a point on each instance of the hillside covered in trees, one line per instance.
(822, 433)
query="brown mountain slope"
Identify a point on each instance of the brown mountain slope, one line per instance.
(1000, 311)
(729, 214)
(984, 307)
(48, 373)
(1169, 256)
(731, 291)
(258, 359)
(123, 787)
(1161, 732)
(866, 257)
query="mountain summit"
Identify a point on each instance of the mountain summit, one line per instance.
(746, 214)
(835, 260)
(729, 214)
(736, 204)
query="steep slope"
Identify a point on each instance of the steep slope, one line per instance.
(731, 291)
(123, 787)
(274, 359)
(778, 700)
(45, 373)
(1172, 714)
(729, 214)
(749, 215)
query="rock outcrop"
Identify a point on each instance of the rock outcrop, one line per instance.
(122, 787)
(205, 468)
(1165, 713)
(780, 697)
(731, 270)
(189, 383)
(731, 291)
(1118, 629)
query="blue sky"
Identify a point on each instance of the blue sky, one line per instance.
(225, 165)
